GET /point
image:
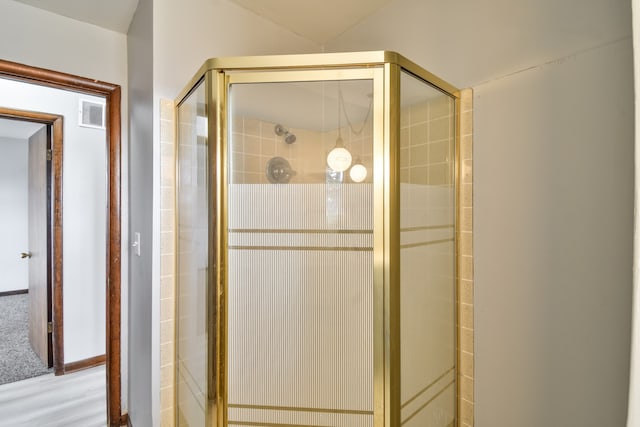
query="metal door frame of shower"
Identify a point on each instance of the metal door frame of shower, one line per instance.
(225, 80)
(384, 70)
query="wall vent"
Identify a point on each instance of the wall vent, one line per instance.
(91, 114)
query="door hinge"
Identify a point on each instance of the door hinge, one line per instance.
(49, 155)
(49, 327)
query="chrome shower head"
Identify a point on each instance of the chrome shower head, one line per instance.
(280, 130)
(289, 137)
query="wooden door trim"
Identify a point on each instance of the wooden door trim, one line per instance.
(112, 95)
(18, 292)
(55, 121)
(84, 364)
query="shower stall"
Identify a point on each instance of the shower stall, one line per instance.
(316, 244)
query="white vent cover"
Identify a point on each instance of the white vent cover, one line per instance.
(91, 114)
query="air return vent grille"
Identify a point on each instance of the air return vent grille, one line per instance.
(91, 114)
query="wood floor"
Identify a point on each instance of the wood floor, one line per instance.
(72, 400)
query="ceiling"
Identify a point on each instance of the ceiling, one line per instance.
(318, 21)
(18, 129)
(114, 15)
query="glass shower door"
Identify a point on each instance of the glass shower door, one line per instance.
(427, 255)
(193, 264)
(300, 253)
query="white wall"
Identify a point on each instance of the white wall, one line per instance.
(140, 50)
(553, 150)
(553, 165)
(43, 39)
(467, 42)
(187, 34)
(14, 215)
(168, 42)
(84, 215)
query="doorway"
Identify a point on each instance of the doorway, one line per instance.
(112, 263)
(41, 227)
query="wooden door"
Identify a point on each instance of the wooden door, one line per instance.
(38, 237)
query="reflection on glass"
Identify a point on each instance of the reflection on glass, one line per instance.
(300, 258)
(192, 261)
(427, 255)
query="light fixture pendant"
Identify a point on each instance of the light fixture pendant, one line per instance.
(339, 159)
(358, 172)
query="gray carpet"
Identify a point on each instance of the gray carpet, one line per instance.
(17, 360)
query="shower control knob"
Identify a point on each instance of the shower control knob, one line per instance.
(279, 171)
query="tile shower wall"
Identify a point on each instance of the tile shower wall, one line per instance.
(426, 146)
(255, 143)
(427, 143)
(465, 264)
(264, 144)
(167, 261)
(427, 260)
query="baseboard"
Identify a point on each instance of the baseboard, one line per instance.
(84, 364)
(18, 292)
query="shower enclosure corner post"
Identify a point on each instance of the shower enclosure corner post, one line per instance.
(387, 237)
(218, 259)
(457, 164)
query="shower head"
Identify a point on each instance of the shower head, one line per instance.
(280, 130)
(289, 138)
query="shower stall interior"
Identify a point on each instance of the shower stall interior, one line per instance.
(316, 244)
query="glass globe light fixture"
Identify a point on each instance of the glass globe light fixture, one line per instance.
(339, 159)
(358, 172)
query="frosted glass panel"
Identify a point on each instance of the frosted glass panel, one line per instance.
(300, 256)
(192, 280)
(427, 255)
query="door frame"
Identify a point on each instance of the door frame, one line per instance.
(112, 94)
(54, 227)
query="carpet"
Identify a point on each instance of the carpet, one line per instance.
(18, 361)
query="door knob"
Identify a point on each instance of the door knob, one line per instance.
(25, 254)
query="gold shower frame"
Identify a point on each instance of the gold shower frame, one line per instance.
(384, 69)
